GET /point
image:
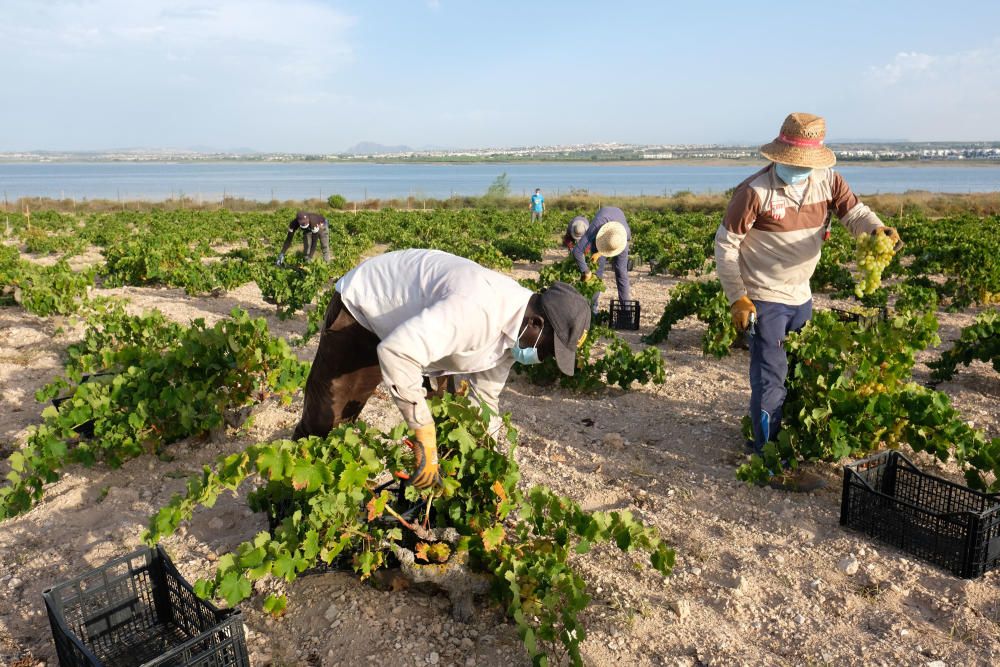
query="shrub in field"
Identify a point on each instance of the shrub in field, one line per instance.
(152, 383)
(980, 340)
(707, 302)
(293, 286)
(618, 365)
(42, 290)
(338, 512)
(964, 249)
(336, 201)
(850, 392)
(566, 270)
(677, 244)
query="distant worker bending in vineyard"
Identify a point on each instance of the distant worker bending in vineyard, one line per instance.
(767, 248)
(607, 235)
(410, 314)
(537, 205)
(314, 228)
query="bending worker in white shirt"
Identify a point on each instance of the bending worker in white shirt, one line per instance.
(412, 313)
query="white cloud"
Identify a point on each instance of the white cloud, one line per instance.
(914, 67)
(904, 65)
(288, 41)
(927, 96)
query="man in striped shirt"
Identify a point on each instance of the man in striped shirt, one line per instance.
(767, 248)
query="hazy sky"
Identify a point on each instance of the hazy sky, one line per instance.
(322, 75)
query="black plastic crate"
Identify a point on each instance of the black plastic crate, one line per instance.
(867, 317)
(86, 429)
(624, 314)
(948, 524)
(137, 611)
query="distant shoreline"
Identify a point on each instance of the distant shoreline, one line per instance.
(684, 162)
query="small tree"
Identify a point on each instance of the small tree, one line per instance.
(336, 201)
(499, 188)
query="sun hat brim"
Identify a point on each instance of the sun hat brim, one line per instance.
(611, 239)
(814, 157)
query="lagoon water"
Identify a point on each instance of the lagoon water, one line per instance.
(264, 181)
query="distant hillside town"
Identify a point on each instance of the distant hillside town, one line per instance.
(602, 152)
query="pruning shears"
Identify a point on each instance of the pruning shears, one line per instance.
(751, 325)
(827, 224)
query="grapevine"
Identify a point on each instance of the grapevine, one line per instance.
(980, 340)
(706, 301)
(522, 540)
(618, 365)
(159, 382)
(850, 392)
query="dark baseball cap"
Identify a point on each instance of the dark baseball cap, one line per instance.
(569, 314)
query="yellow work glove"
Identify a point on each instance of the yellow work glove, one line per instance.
(741, 309)
(425, 472)
(893, 235)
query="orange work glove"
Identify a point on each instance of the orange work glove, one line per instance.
(891, 232)
(425, 452)
(741, 310)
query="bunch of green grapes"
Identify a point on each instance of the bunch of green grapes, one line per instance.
(873, 254)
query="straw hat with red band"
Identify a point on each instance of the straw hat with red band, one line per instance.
(800, 143)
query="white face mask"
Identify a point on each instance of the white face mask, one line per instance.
(527, 356)
(792, 175)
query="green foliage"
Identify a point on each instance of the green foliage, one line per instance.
(707, 302)
(499, 188)
(567, 271)
(831, 273)
(158, 382)
(980, 340)
(43, 242)
(965, 249)
(617, 365)
(293, 286)
(850, 393)
(42, 290)
(677, 244)
(524, 541)
(336, 201)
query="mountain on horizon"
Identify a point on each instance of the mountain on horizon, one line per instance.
(373, 148)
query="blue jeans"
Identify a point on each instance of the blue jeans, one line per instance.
(769, 365)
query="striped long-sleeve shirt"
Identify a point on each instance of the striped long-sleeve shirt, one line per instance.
(770, 239)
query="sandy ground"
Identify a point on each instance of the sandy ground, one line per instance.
(760, 577)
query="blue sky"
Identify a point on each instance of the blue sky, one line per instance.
(321, 75)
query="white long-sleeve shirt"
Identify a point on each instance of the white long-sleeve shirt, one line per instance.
(436, 314)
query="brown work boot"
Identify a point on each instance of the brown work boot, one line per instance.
(797, 481)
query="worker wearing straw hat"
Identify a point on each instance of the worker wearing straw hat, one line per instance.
(607, 236)
(767, 248)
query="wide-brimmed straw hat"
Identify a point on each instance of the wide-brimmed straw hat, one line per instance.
(611, 239)
(800, 143)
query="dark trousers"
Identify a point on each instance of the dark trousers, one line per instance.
(344, 374)
(309, 243)
(620, 264)
(769, 365)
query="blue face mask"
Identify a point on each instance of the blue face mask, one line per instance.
(527, 356)
(791, 175)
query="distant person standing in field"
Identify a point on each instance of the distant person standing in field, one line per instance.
(767, 248)
(314, 228)
(537, 205)
(607, 235)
